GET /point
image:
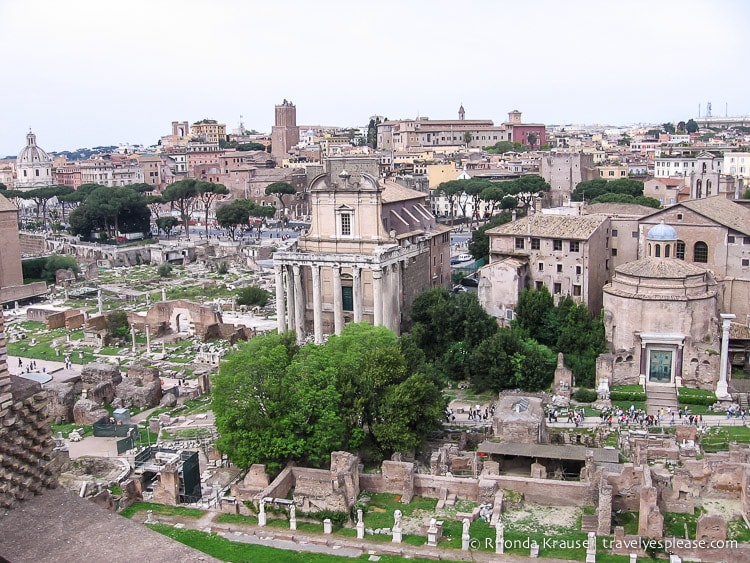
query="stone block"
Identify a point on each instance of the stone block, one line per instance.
(711, 527)
(95, 373)
(87, 412)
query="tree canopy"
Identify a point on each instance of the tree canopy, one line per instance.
(208, 192)
(182, 194)
(280, 189)
(627, 198)
(276, 402)
(591, 189)
(113, 210)
(501, 147)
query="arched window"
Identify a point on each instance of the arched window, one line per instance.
(704, 167)
(666, 251)
(649, 249)
(699, 189)
(680, 250)
(708, 188)
(657, 250)
(700, 252)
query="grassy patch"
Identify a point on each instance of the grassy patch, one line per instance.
(628, 520)
(688, 396)
(674, 524)
(236, 519)
(737, 530)
(718, 438)
(161, 509)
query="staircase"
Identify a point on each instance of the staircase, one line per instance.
(658, 397)
(742, 400)
(589, 523)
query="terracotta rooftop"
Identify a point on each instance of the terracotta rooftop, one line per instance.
(628, 209)
(393, 191)
(669, 268)
(722, 210)
(552, 226)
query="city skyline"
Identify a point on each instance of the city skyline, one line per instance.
(87, 74)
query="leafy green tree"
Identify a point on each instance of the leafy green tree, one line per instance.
(208, 192)
(3, 186)
(627, 198)
(42, 196)
(164, 270)
(746, 195)
(182, 194)
(232, 216)
(691, 126)
(58, 262)
(681, 127)
(527, 188)
(468, 138)
(167, 223)
(280, 189)
(113, 210)
(591, 189)
(154, 203)
(624, 140)
(534, 315)
(501, 147)
(668, 127)
(117, 325)
(581, 339)
(253, 296)
(532, 138)
(452, 190)
(244, 147)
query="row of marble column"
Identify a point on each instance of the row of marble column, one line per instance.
(290, 297)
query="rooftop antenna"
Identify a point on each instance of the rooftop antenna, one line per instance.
(708, 109)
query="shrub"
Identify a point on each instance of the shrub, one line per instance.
(253, 296)
(620, 396)
(583, 395)
(687, 396)
(221, 268)
(337, 518)
(45, 268)
(165, 270)
(117, 324)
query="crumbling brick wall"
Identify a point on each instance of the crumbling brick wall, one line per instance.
(25, 436)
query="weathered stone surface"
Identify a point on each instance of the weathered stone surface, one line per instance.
(62, 397)
(86, 412)
(711, 527)
(168, 400)
(95, 373)
(145, 373)
(102, 392)
(132, 392)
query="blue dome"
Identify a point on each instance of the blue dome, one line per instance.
(661, 232)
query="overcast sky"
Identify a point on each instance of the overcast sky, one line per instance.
(87, 73)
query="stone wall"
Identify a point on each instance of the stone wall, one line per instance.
(25, 436)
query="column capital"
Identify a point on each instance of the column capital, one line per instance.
(377, 273)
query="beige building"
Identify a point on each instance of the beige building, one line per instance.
(563, 171)
(569, 255)
(661, 316)
(372, 247)
(33, 166)
(208, 131)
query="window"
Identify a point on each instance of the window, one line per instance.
(556, 245)
(538, 285)
(558, 289)
(575, 246)
(700, 252)
(679, 251)
(535, 244)
(614, 233)
(509, 314)
(519, 243)
(746, 240)
(730, 239)
(541, 266)
(559, 268)
(346, 224)
(745, 262)
(576, 290)
(614, 252)
(578, 270)
(634, 234)
(347, 298)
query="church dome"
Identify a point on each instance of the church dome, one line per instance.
(31, 153)
(661, 232)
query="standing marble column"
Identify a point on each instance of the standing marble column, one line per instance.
(148, 339)
(99, 301)
(289, 298)
(317, 305)
(299, 304)
(722, 387)
(387, 291)
(280, 308)
(338, 306)
(132, 336)
(377, 296)
(357, 293)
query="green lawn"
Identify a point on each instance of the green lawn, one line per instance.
(163, 509)
(717, 438)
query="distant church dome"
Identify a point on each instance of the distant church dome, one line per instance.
(661, 232)
(33, 165)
